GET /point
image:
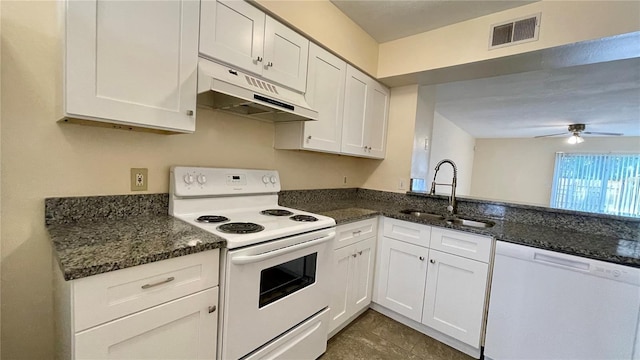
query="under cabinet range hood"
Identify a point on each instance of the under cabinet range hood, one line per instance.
(226, 88)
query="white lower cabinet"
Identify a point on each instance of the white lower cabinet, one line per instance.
(352, 278)
(440, 292)
(454, 300)
(162, 310)
(402, 270)
(181, 329)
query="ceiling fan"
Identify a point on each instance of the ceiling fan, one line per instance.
(576, 130)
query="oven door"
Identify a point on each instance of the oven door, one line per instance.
(272, 287)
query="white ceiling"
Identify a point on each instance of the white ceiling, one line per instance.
(604, 96)
(387, 20)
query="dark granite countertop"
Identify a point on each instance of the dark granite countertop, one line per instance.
(93, 247)
(599, 247)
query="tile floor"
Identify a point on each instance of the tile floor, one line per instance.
(373, 336)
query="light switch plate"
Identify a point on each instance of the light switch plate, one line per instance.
(139, 179)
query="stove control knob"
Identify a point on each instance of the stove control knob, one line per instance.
(188, 179)
(201, 179)
(273, 179)
(265, 179)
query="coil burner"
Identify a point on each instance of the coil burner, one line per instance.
(212, 219)
(240, 228)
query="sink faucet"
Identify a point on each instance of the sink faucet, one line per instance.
(452, 199)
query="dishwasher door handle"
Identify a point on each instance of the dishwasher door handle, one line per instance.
(562, 261)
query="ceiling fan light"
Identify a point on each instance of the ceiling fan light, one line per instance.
(575, 139)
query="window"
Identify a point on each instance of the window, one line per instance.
(601, 183)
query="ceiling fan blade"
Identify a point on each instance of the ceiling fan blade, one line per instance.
(541, 136)
(601, 133)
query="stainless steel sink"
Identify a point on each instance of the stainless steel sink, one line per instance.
(422, 214)
(470, 222)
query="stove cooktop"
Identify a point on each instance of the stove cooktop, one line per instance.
(288, 222)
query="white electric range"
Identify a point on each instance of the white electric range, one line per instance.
(275, 268)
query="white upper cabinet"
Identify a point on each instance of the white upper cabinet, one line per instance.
(243, 36)
(232, 31)
(132, 63)
(325, 94)
(285, 55)
(366, 111)
(353, 110)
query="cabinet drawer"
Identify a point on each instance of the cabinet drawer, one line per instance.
(352, 233)
(101, 298)
(471, 246)
(181, 329)
(413, 233)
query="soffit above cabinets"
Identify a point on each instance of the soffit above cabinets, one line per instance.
(387, 20)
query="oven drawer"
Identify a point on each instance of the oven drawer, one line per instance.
(351, 233)
(104, 297)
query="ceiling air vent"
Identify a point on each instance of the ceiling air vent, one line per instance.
(515, 32)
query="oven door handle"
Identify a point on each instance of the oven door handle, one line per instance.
(247, 259)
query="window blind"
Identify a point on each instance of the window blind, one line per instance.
(602, 183)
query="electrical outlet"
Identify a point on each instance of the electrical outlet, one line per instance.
(401, 184)
(139, 179)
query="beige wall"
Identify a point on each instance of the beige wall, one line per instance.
(42, 158)
(328, 26)
(396, 167)
(562, 22)
(521, 170)
(451, 142)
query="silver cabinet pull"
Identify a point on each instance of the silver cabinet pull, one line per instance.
(354, 255)
(258, 59)
(308, 137)
(190, 112)
(356, 233)
(421, 258)
(212, 309)
(359, 252)
(432, 261)
(169, 279)
(269, 64)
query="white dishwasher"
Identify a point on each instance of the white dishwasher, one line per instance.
(548, 305)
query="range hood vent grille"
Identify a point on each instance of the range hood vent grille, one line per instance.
(515, 32)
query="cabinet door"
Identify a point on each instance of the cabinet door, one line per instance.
(180, 329)
(375, 130)
(403, 271)
(454, 296)
(232, 31)
(325, 93)
(362, 286)
(341, 273)
(285, 55)
(355, 105)
(132, 62)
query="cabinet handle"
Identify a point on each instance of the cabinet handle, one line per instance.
(359, 252)
(421, 258)
(212, 309)
(308, 138)
(258, 59)
(354, 255)
(190, 112)
(369, 148)
(269, 64)
(356, 233)
(432, 261)
(169, 279)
